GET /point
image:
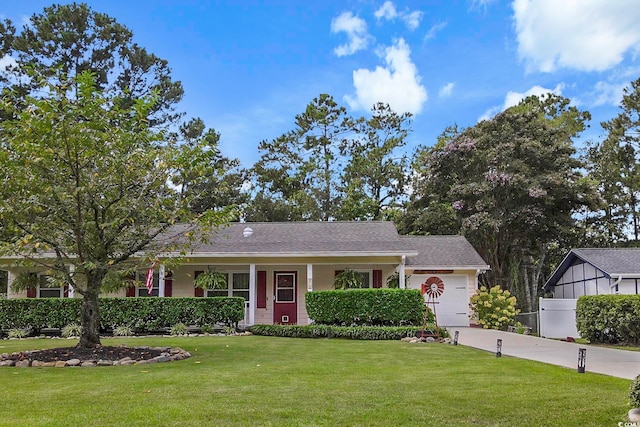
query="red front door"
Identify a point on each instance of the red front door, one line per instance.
(285, 305)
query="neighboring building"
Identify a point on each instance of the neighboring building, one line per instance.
(596, 271)
(273, 265)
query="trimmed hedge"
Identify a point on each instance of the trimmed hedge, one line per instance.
(140, 314)
(609, 319)
(367, 307)
(350, 332)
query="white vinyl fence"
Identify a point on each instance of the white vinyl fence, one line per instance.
(558, 318)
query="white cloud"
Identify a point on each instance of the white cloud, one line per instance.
(586, 35)
(396, 83)
(356, 30)
(606, 93)
(389, 12)
(7, 61)
(446, 90)
(434, 30)
(513, 98)
(480, 4)
(412, 19)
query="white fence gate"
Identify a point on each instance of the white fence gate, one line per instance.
(558, 318)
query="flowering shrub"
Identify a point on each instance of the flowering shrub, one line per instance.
(494, 308)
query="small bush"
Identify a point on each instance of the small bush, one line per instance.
(495, 308)
(609, 319)
(122, 331)
(206, 329)
(367, 307)
(349, 332)
(19, 332)
(72, 330)
(179, 329)
(634, 393)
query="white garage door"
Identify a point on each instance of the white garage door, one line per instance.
(452, 306)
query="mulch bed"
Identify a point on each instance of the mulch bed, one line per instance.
(97, 353)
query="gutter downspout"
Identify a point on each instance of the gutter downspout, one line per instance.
(401, 278)
(616, 283)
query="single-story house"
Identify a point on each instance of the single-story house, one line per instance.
(596, 271)
(273, 266)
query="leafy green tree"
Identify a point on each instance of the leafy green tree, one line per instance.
(375, 177)
(86, 179)
(301, 168)
(514, 184)
(222, 190)
(65, 40)
(614, 165)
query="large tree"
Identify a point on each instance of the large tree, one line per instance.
(375, 177)
(513, 183)
(65, 40)
(300, 169)
(220, 191)
(614, 165)
(85, 179)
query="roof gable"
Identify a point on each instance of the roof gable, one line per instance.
(611, 261)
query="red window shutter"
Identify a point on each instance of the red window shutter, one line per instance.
(31, 292)
(131, 290)
(377, 278)
(65, 291)
(198, 292)
(261, 297)
(168, 284)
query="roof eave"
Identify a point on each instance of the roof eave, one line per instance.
(323, 254)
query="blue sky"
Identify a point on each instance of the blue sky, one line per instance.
(248, 67)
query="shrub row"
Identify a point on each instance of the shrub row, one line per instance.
(140, 314)
(367, 307)
(350, 332)
(609, 318)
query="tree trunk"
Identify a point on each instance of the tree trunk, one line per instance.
(90, 315)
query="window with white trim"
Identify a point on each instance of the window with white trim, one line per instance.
(237, 286)
(367, 278)
(142, 291)
(45, 291)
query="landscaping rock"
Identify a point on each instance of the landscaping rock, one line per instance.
(73, 362)
(23, 363)
(634, 415)
(7, 363)
(60, 364)
(88, 363)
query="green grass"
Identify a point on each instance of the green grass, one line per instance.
(303, 382)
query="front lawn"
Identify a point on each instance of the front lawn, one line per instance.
(284, 381)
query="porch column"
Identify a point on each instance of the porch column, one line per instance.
(161, 281)
(401, 278)
(252, 294)
(309, 277)
(10, 278)
(309, 281)
(72, 269)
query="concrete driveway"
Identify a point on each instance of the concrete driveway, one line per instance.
(616, 363)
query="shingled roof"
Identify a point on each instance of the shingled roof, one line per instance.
(613, 262)
(306, 238)
(443, 251)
